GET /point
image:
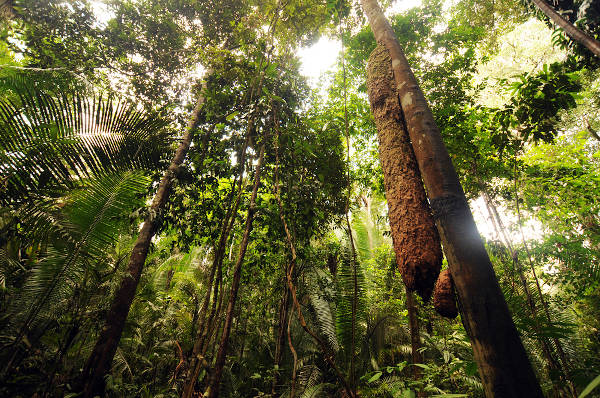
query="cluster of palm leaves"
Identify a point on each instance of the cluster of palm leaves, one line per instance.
(73, 168)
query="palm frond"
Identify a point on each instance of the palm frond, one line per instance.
(50, 142)
(322, 307)
(93, 211)
(350, 277)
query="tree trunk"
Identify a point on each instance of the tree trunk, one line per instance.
(573, 31)
(415, 237)
(197, 358)
(222, 353)
(503, 364)
(100, 360)
(283, 315)
(415, 338)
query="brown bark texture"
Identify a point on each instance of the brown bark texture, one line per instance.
(444, 298)
(503, 363)
(100, 360)
(571, 30)
(415, 237)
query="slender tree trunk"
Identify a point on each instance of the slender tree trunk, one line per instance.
(573, 31)
(503, 363)
(100, 360)
(197, 359)
(415, 337)
(222, 353)
(327, 354)
(295, 356)
(561, 353)
(551, 364)
(283, 315)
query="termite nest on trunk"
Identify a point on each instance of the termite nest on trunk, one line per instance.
(415, 236)
(444, 298)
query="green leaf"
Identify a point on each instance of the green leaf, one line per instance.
(375, 377)
(594, 383)
(231, 116)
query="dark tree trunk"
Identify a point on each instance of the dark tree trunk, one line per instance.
(281, 327)
(222, 353)
(573, 31)
(415, 336)
(415, 237)
(503, 363)
(100, 360)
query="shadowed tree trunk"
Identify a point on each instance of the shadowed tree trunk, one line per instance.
(235, 284)
(100, 360)
(279, 342)
(503, 363)
(415, 338)
(573, 31)
(415, 237)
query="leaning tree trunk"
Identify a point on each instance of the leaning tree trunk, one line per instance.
(100, 360)
(222, 353)
(503, 364)
(573, 31)
(416, 240)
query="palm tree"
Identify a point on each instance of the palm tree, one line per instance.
(71, 168)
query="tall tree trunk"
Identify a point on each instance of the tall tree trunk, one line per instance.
(546, 309)
(283, 315)
(204, 327)
(503, 364)
(100, 360)
(327, 354)
(235, 284)
(415, 337)
(416, 239)
(573, 31)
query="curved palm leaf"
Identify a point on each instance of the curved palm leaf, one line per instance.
(50, 142)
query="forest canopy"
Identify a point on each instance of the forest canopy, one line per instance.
(185, 213)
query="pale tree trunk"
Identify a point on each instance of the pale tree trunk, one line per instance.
(503, 364)
(100, 360)
(237, 273)
(551, 364)
(328, 356)
(573, 31)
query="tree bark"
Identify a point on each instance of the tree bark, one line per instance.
(503, 364)
(100, 360)
(283, 315)
(416, 239)
(235, 284)
(573, 31)
(415, 337)
(551, 364)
